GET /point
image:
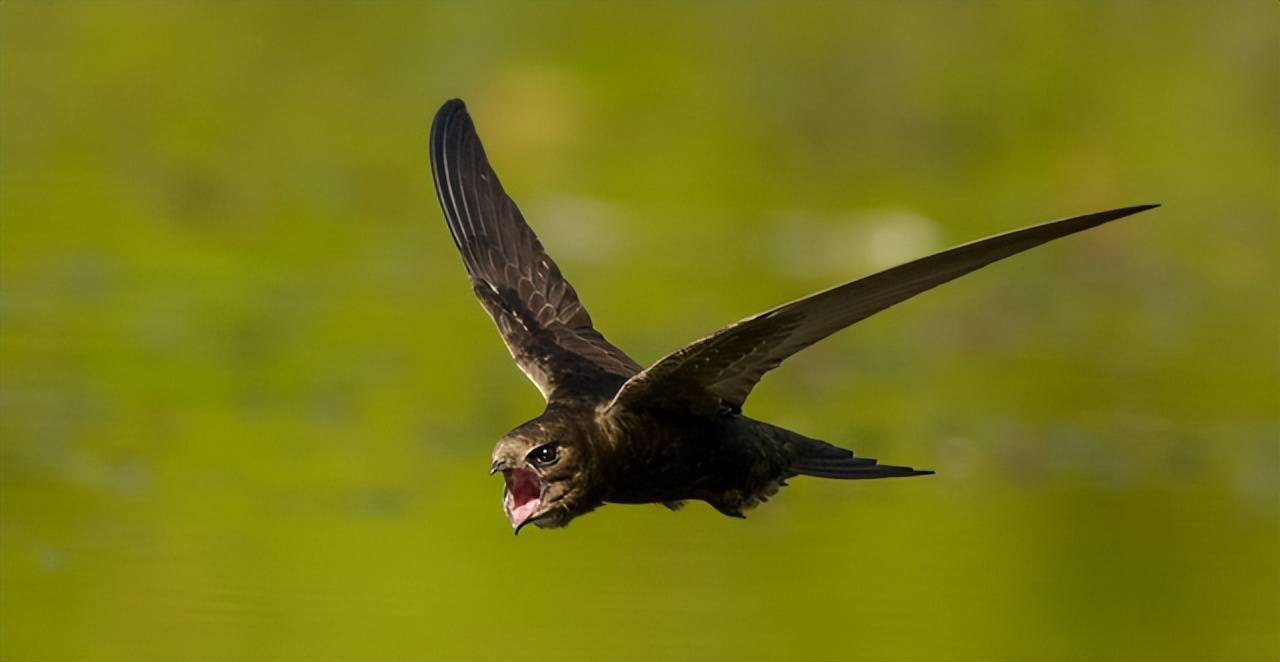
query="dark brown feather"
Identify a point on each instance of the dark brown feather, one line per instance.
(720, 370)
(545, 327)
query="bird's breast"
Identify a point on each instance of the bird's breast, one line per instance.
(659, 458)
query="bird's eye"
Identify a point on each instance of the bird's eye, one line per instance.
(545, 454)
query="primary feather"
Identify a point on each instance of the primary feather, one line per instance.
(721, 369)
(545, 327)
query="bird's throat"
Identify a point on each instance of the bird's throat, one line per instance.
(524, 495)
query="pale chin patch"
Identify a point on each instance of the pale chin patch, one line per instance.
(524, 495)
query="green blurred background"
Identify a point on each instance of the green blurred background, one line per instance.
(247, 400)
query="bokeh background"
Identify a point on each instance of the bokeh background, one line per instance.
(247, 400)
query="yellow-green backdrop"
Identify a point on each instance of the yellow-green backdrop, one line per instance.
(247, 400)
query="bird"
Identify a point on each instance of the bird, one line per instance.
(614, 432)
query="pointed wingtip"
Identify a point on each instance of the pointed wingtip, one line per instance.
(1127, 211)
(449, 109)
(1079, 223)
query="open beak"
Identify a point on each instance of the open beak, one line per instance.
(522, 498)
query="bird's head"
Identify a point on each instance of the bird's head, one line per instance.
(544, 466)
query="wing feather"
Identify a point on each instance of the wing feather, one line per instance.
(545, 327)
(720, 370)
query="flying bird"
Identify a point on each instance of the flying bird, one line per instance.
(616, 432)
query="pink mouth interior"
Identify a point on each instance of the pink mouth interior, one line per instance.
(524, 493)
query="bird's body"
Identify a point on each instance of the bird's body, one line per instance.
(730, 461)
(616, 433)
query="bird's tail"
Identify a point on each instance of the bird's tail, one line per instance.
(818, 458)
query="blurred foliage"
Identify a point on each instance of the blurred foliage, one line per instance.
(247, 400)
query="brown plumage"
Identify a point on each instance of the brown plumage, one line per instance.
(615, 433)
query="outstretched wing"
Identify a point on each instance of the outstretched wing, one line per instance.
(544, 325)
(720, 370)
